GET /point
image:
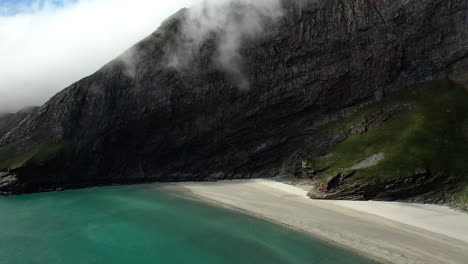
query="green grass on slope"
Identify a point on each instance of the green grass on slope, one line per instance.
(432, 136)
(463, 195)
(9, 159)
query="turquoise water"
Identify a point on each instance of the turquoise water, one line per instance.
(143, 224)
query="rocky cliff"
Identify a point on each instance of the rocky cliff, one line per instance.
(11, 120)
(147, 121)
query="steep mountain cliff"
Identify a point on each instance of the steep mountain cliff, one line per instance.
(140, 119)
(10, 120)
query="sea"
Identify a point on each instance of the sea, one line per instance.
(148, 224)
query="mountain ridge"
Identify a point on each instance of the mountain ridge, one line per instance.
(139, 120)
(8, 121)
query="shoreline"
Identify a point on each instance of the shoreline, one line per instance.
(376, 230)
(186, 193)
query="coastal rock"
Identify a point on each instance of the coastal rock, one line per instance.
(321, 61)
(342, 186)
(8, 182)
(369, 162)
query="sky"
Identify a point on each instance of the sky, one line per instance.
(46, 45)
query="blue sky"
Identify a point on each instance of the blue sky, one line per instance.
(29, 2)
(13, 2)
(13, 7)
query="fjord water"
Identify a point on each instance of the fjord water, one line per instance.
(146, 224)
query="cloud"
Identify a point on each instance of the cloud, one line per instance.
(45, 47)
(233, 22)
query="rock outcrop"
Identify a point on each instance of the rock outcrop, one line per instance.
(10, 121)
(396, 188)
(150, 122)
(8, 183)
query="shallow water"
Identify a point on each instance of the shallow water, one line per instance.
(145, 224)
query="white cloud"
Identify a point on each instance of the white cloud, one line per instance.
(234, 21)
(47, 49)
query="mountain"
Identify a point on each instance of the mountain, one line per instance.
(323, 63)
(9, 121)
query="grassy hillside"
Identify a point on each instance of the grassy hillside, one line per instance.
(9, 159)
(433, 136)
(14, 155)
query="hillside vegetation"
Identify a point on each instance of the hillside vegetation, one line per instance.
(432, 137)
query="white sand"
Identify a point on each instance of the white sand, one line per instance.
(390, 232)
(434, 218)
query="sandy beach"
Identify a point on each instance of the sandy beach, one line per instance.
(388, 232)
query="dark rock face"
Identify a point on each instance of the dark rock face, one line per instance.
(8, 183)
(10, 121)
(399, 188)
(321, 61)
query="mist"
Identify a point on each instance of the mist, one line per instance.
(44, 47)
(233, 22)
